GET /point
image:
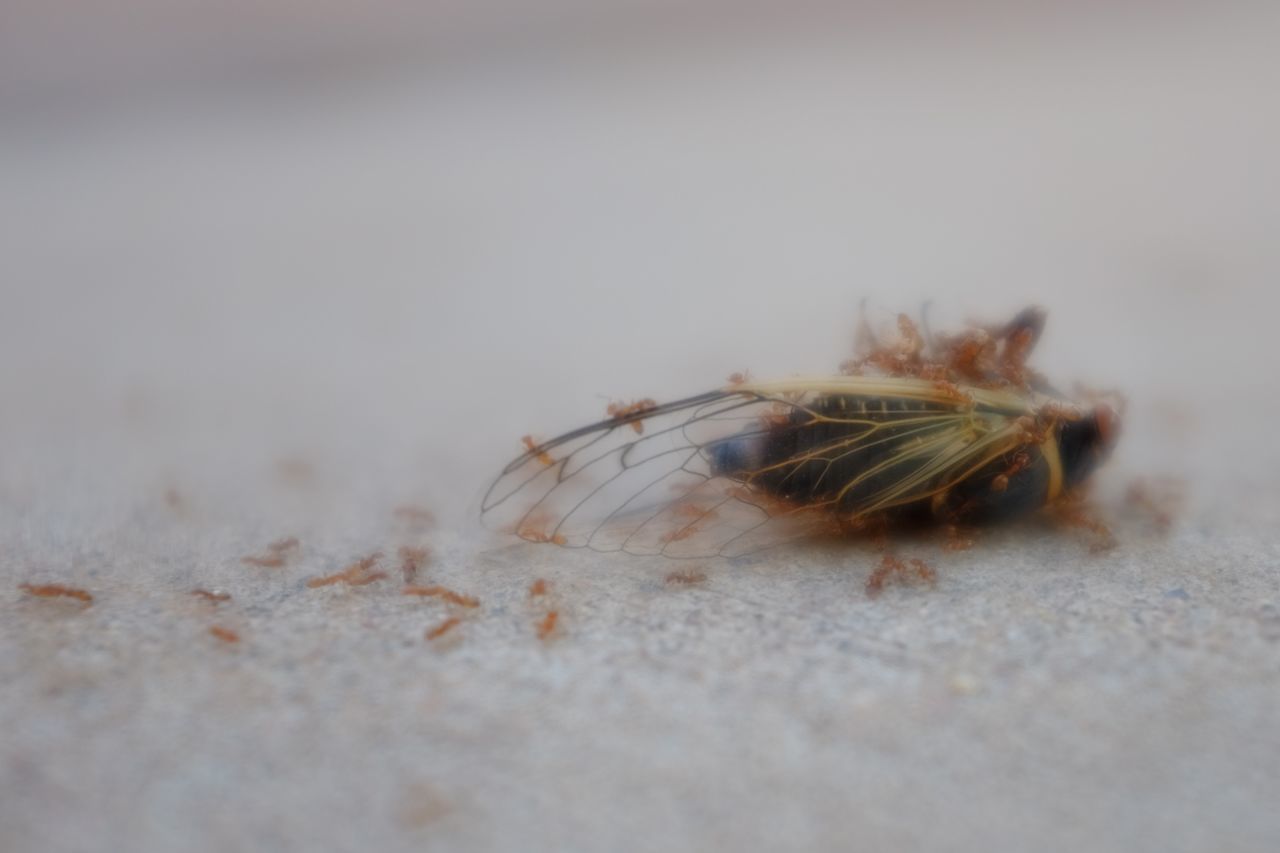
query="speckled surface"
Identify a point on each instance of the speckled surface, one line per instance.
(240, 322)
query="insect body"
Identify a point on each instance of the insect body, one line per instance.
(962, 435)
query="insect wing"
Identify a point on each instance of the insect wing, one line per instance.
(662, 491)
(606, 487)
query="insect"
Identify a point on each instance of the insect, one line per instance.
(547, 625)
(444, 593)
(919, 429)
(277, 553)
(57, 590)
(443, 628)
(212, 596)
(892, 567)
(359, 573)
(412, 559)
(226, 635)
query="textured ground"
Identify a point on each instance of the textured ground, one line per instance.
(231, 321)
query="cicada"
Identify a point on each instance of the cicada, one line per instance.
(953, 430)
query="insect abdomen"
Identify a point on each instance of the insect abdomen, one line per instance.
(980, 498)
(818, 454)
(848, 452)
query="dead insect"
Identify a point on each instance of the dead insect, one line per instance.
(953, 430)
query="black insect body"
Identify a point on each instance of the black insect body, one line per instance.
(757, 463)
(820, 454)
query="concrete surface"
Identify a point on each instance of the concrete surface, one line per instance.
(253, 318)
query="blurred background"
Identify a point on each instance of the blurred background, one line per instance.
(280, 267)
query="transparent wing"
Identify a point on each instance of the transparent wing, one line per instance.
(610, 487)
(657, 482)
